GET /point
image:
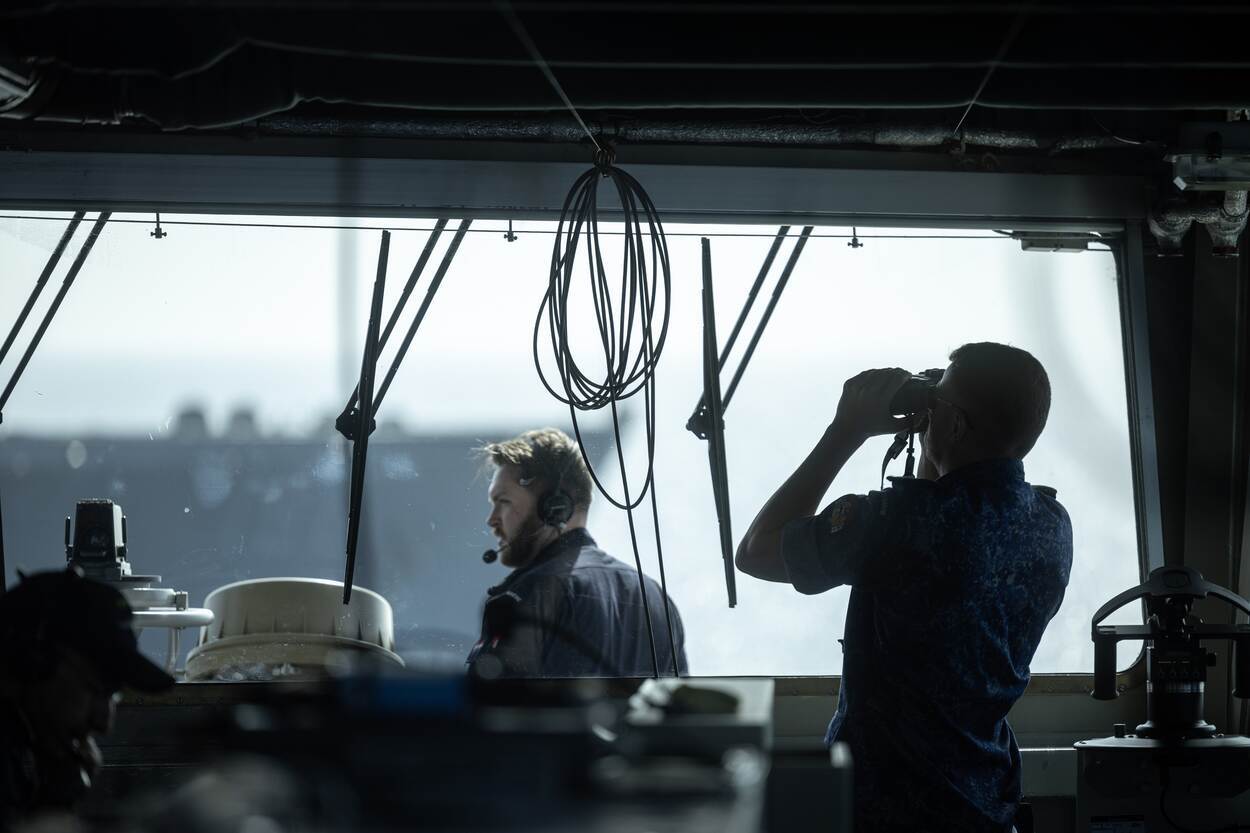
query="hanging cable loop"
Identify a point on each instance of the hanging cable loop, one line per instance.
(628, 327)
(631, 320)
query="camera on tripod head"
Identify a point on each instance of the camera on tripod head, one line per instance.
(99, 541)
(97, 546)
(916, 394)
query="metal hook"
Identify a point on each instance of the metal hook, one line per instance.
(508, 235)
(158, 232)
(605, 156)
(855, 244)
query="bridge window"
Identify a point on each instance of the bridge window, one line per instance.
(194, 379)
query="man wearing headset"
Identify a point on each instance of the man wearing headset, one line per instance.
(954, 576)
(567, 609)
(67, 648)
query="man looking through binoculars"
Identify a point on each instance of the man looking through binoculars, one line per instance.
(954, 576)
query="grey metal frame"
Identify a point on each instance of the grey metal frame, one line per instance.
(507, 189)
(1140, 387)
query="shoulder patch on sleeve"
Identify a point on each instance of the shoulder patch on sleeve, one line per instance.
(842, 512)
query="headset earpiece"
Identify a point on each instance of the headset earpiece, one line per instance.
(555, 508)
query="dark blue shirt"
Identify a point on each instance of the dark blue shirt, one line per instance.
(575, 611)
(952, 584)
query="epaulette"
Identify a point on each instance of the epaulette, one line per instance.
(1047, 491)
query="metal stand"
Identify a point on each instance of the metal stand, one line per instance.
(99, 549)
(359, 418)
(48, 268)
(707, 422)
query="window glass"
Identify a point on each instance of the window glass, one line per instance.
(195, 378)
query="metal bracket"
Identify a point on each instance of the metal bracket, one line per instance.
(1054, 241)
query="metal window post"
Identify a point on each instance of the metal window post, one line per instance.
(68, 282)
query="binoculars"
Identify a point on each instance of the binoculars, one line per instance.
(916, 393)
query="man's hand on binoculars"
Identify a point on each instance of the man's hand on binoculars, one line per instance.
(864, 409)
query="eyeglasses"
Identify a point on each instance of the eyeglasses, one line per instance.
(935, 397)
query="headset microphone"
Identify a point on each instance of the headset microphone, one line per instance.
(492, 555)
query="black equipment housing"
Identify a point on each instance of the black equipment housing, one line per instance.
(1176, 662)
(99, 534)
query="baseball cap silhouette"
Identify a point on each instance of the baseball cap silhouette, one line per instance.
(61, 608)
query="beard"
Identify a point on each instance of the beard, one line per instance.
(522, 547)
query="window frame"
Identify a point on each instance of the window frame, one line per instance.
(194, 175)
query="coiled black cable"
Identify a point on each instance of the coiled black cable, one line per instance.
(628, 335)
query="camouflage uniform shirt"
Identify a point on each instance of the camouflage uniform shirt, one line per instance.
(952, 584)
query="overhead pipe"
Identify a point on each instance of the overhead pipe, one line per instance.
(104, 100)
(1223, 214)
(561, 129)
(257, 88)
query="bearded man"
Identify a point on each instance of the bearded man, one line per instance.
(567, 609)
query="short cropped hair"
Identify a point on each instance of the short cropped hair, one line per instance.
(1009, 392)
(548, 455)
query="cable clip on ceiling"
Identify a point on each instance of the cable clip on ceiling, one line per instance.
(604, 157)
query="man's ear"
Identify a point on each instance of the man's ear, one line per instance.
(959, 426)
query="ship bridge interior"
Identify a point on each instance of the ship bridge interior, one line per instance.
(673, 231)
